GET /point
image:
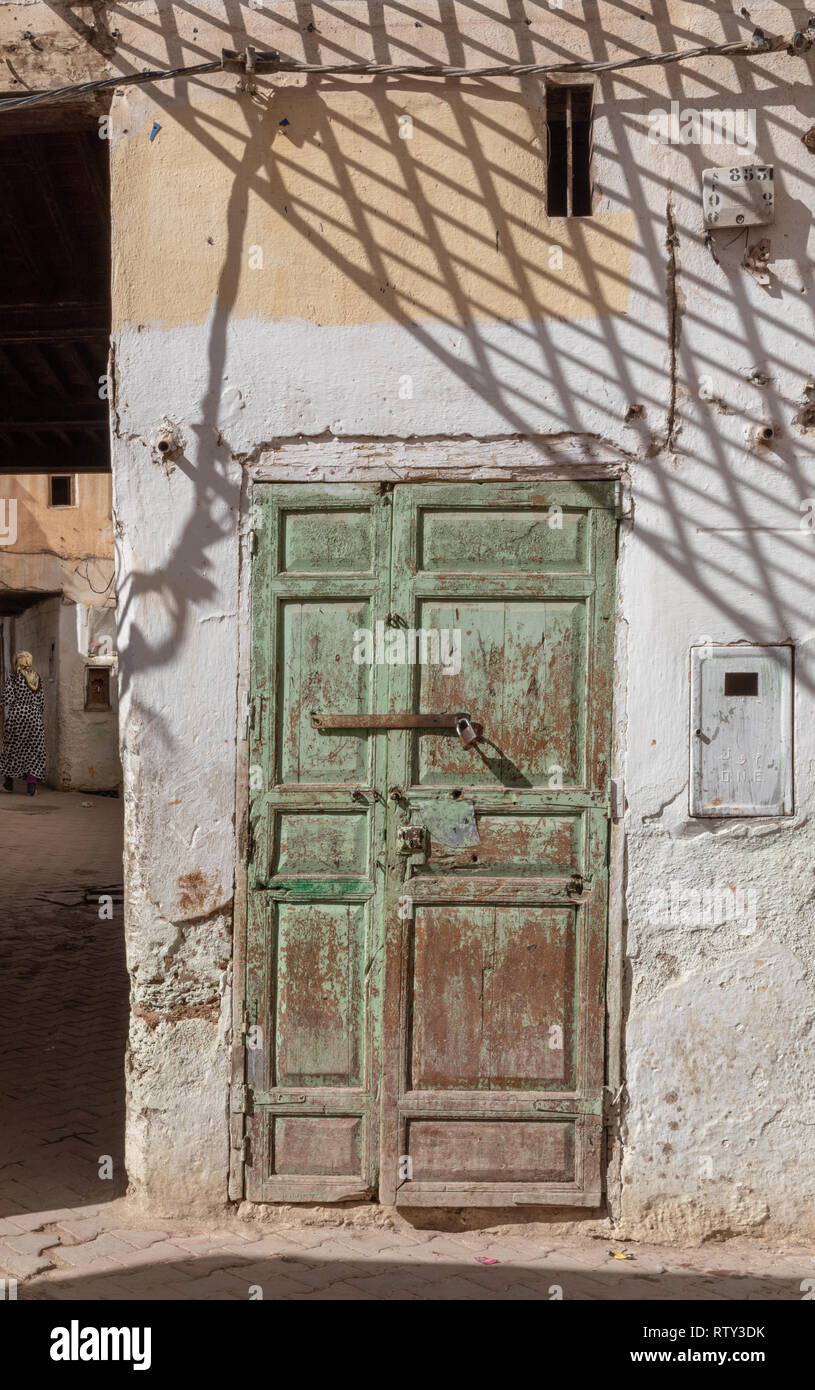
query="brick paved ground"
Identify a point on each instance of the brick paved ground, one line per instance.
(104, 1253)
(66, 1234)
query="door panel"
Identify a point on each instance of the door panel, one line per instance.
(525, 655)
(494, 1010)
(492, 995)
(485, 1152)
(315, 641)
(487, 931)
(319, 1014)
(512, 843)
(467, 540)
(317, 822)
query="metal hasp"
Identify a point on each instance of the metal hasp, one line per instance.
(579, 889)
(411, 839)
(394, 721)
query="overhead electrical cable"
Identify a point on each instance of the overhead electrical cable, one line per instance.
(251, 61)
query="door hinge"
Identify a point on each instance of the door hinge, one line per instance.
(611, 1105)
(240, 1146)
(239, 1142)
(248, 718)
(241, 1099)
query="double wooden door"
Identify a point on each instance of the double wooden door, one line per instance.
(427, 916)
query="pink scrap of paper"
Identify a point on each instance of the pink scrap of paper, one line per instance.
(485, 1260)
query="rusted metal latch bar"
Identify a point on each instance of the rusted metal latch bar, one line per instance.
(388, 721)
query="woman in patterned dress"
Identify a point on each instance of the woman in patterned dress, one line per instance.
(24, 729)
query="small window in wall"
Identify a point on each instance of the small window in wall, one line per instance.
(97, 687)
(61, 490)
(568, 173)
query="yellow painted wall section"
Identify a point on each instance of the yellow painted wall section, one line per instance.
(349, 205)
(85, 529)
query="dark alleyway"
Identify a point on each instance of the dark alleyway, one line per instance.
(64, 992)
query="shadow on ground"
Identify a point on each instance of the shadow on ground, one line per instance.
(291, 1278)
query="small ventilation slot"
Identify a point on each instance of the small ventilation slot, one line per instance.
(568, 175)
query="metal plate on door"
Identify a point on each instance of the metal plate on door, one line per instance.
(411, 839)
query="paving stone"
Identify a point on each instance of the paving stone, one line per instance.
(443, 1247)
(429, 1273)
(104, 1245)
(153, 1283)
(308, 1237)
(322, 1276)
(9, 1228)
(152, 1256)
(199, 1269)
(199, 1245)
(389, 1285)
(107, 1291)
(34, 1221)
(21, 1266)
(140, 1239)
(458, 1288)
(336, 1292)
(216, 1285)
(33, 1243)
(83, 1228)
(276, 1245)
(376, 1242)
(264, 1274)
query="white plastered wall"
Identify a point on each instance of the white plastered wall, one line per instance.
(715, 1024)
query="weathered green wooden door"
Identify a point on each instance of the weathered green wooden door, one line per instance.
(426, 937)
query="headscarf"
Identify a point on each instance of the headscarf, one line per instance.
(24, 666)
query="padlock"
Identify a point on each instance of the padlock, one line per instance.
(465, 730)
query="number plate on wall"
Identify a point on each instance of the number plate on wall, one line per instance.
(738, 197)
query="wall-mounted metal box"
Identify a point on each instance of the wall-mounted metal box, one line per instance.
(97, 687)
(740, 196)
(741, 731)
